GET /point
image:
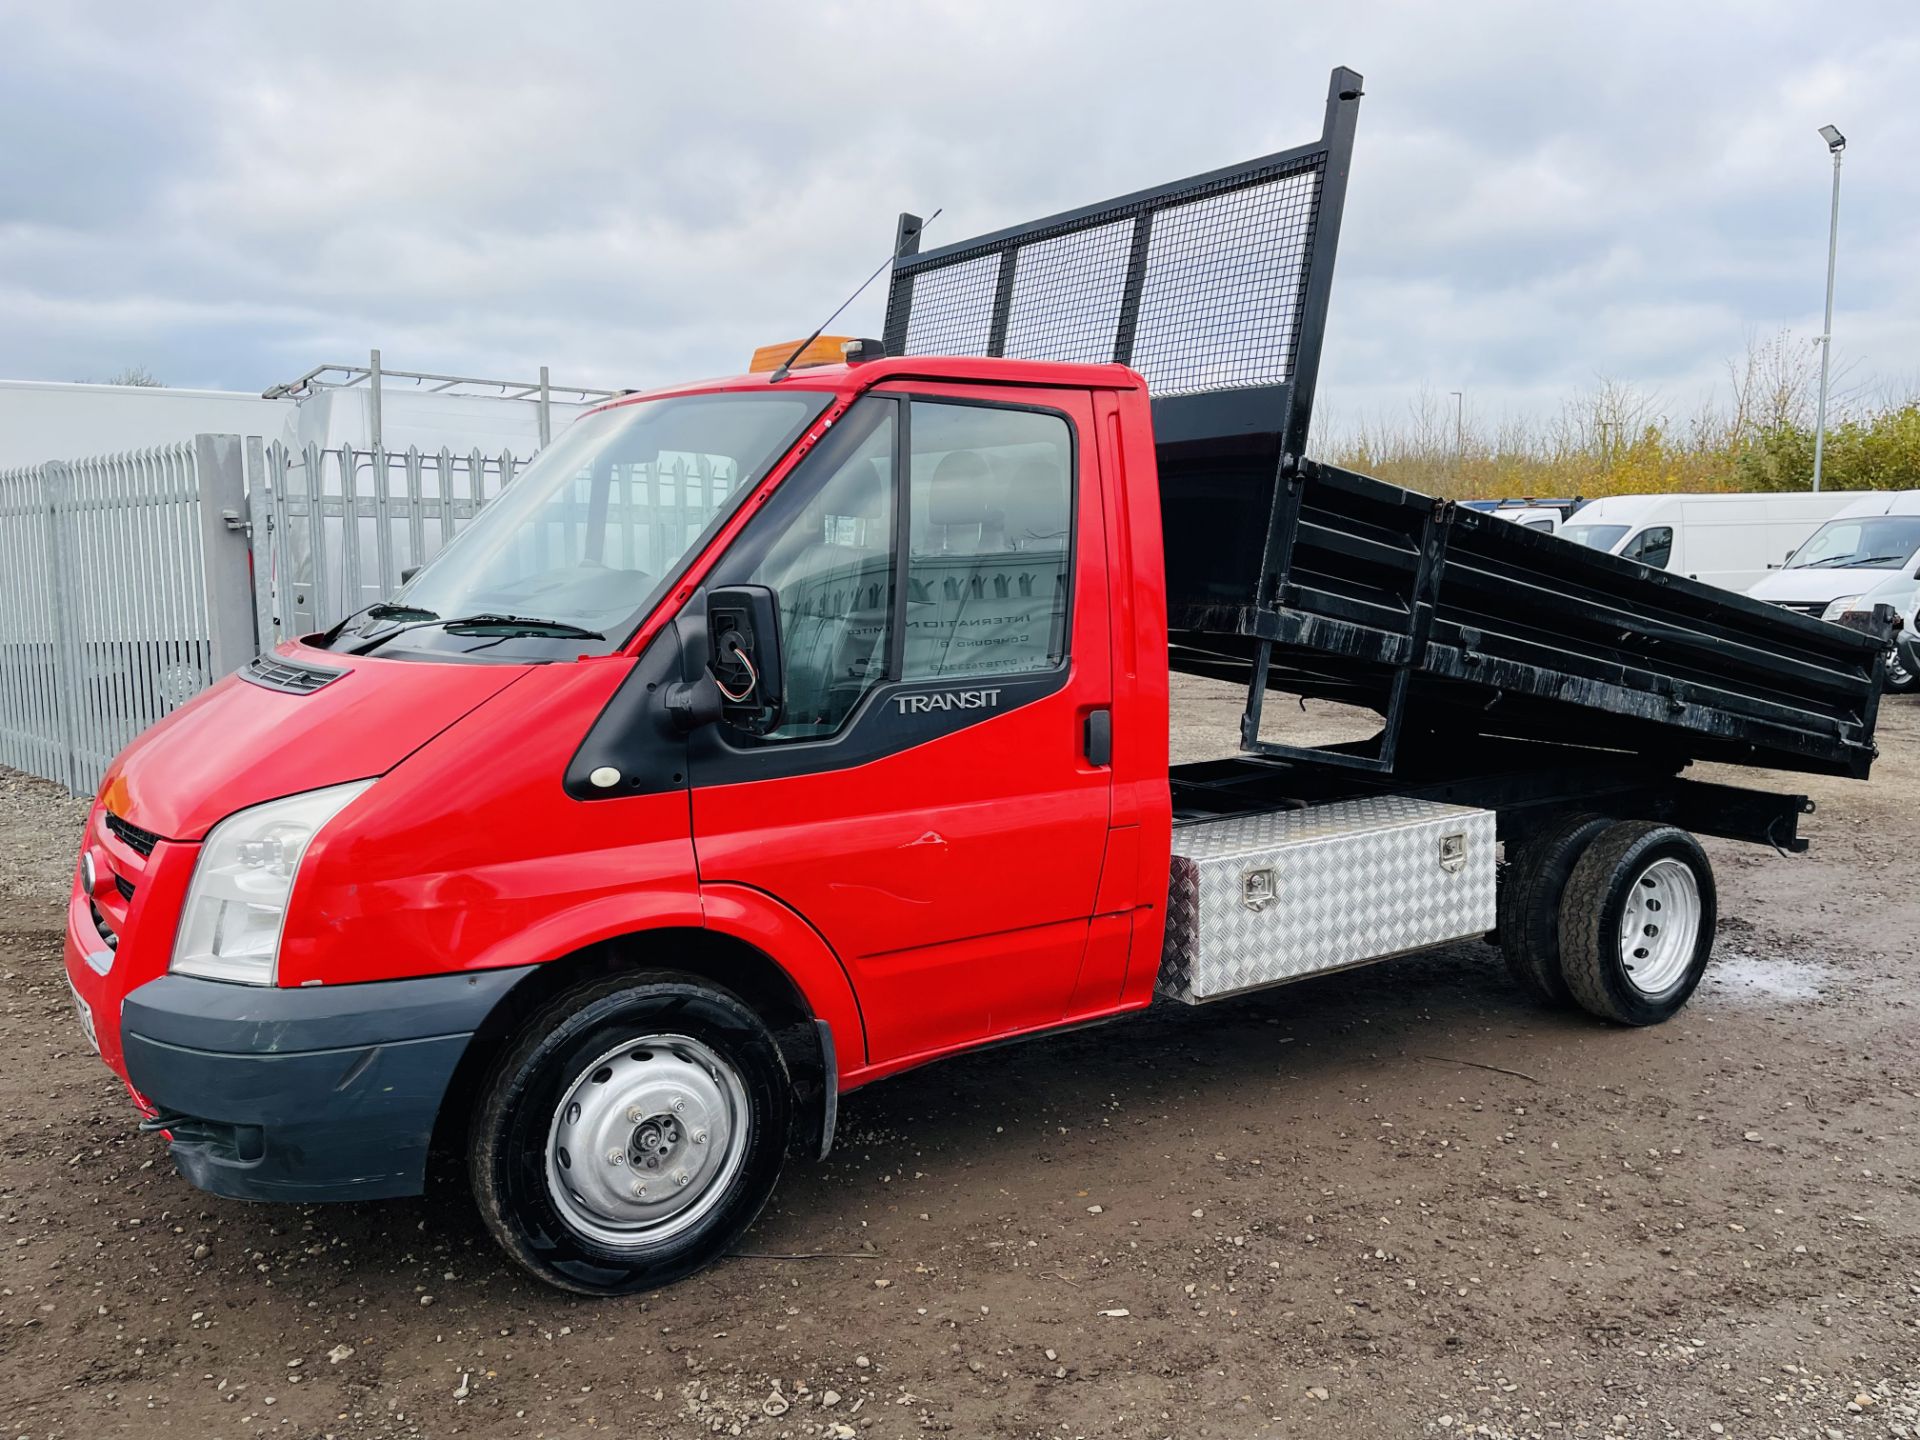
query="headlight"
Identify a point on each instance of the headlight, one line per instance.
(1838, 607)
(237, 903)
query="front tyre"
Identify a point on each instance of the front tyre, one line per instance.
(631, 1134)
(1636, 922)
(1903, 666)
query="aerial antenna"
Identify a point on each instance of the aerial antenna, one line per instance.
(786, 365)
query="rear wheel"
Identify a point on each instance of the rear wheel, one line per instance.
(1636, 922)
(631, 1135)
(1529, 909)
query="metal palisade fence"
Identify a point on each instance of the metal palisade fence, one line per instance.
(346, 524)
(129, 583)
(123, 593)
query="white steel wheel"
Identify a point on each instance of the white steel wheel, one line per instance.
(1636, 922)
(630, 1132)
(1660, 927)
(645, 1141)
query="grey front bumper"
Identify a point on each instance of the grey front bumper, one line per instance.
(325, 1093)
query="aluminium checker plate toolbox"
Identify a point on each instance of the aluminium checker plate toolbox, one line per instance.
(1256, 900)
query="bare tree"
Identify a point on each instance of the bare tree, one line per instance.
(1773, 386)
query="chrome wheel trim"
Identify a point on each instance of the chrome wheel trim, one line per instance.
(646, 1140)
(1897, 672)
(1659, 927)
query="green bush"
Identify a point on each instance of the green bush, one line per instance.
(1875, 450)
(1881, 452)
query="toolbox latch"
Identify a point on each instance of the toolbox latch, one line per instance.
(1259, 888)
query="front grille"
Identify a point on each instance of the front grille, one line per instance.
(132, 836)
(288, 676)
(124, 886)
(1815, 608)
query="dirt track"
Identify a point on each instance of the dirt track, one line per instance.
(1308, 1213)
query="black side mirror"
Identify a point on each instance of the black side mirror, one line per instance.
(743, 637)
(408, 573)
(744, 680)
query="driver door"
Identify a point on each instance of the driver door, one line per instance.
(928, 804)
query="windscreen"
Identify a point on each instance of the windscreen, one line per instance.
(597, 527)
(1861, 542)
(1598, 537)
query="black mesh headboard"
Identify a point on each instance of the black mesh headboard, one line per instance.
(1214, 287)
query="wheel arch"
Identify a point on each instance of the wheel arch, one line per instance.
(809, 1007)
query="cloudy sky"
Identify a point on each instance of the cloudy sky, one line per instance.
(229, 194)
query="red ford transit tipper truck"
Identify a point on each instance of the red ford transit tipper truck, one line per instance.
(774, 734)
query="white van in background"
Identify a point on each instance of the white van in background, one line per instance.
(1875, 535)
(1535, 517)
(1727, 540)
(1535, 514)
(1901, 590)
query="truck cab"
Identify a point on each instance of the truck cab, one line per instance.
(315, 897)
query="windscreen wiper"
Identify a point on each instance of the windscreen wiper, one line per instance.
(386, 610)
(522, 625)
(380, 610)
(1870, 560)
(487, 622)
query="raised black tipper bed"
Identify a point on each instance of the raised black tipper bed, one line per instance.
(1485, 646)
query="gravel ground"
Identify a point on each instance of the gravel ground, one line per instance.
(1310, 1212)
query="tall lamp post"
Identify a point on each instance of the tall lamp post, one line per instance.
(1836, 142)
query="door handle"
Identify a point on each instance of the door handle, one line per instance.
(1098, 737)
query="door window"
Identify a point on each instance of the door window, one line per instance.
(988, 569)
(988, 499)
(826, 547)
(1652, 546)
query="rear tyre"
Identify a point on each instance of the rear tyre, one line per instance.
(1636, 922)
(1529, 908)
(631, 1134)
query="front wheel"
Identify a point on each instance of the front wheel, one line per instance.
(631, 1134)
(1636, 922)
(1903, 667)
